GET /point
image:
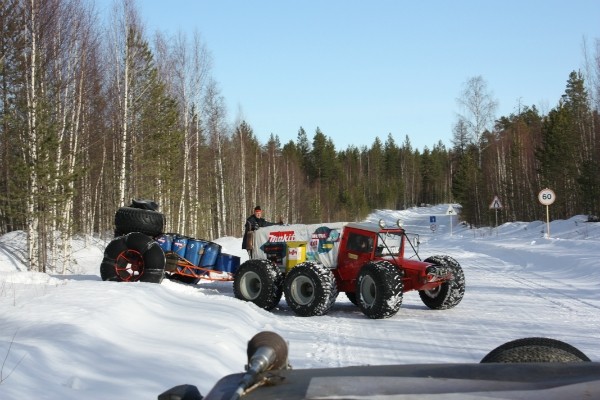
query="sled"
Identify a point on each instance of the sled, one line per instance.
(223, 270)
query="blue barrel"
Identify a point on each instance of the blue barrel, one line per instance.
(227, 263)
(165, 241)
(209, 257)
(179, 245)
(194, 250)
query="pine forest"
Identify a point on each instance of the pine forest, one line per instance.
(93, 116)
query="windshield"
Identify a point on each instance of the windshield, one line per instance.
(389, 243)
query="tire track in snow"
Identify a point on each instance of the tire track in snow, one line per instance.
(329, 341)
(546, 292)
(565, 300)
(514, 270)
(11, 254)
(523, 299)
(337, 339)
(329, 345)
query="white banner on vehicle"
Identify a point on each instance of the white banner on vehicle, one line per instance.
(322, 242)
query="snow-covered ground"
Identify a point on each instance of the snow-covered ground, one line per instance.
(74, 336)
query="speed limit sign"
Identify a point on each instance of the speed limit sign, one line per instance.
(546, 196)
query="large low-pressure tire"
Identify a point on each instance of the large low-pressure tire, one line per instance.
(310, 289)
(535, 349)
(379, 289)
(260, 282)
(133, 257)
(131, 219)
(449, 293)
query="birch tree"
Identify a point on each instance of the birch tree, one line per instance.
(124, 37)
(189, 68)
(32, 55)
(216, 130)
(75, 55)
(478, 111)
(244, 146)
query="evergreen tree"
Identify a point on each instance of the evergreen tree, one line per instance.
(463, 182)
(558, 171)
(410, 174)
(440, 174)
(426, 177)
(304, 150)
(294, 200)
(392, 194)
(375, 173)
(13, 178)
(519, 135)
(577, 102)
(324, 171)
(567, 131)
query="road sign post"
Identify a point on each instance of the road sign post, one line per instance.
(547, 197)
(450, 212)
(496, 205)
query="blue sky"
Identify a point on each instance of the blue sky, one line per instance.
(361, 69)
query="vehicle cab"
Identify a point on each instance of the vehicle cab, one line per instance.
(363, 242)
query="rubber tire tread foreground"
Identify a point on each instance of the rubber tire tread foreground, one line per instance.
(259, 282)
(153, 257)
(310, 289)
(130, 219)
(387, 285)
(535, 349)
(451, 292)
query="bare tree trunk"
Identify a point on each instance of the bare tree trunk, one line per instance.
(123, 30)
(96, 195)
(288, 191)
(256, 183)
(196, 183)
(67, 231)
(242, 199)
(182, 216)
(196, 80)
(124, 131)
(221, 188)
(32, 147)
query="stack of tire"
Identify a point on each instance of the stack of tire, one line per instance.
(134, 255)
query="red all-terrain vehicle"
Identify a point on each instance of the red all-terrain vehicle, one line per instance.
(364, 260)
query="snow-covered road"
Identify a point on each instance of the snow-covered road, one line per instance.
(74, 336)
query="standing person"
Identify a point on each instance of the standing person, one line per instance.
(254, 222)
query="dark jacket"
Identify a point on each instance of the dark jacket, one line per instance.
(252, 224)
